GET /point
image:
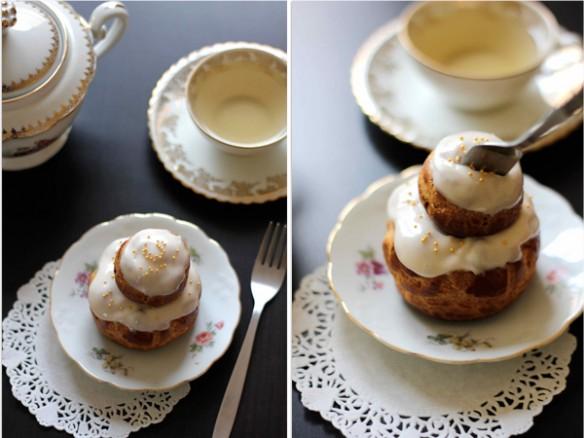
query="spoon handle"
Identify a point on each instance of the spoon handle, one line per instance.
(550, 120)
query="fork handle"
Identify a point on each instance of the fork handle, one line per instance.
(230, 403)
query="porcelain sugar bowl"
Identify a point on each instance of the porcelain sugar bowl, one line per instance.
(49, 56)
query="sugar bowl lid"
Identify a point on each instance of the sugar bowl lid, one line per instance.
(34, 47)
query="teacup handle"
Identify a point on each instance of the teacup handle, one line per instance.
(106, 37)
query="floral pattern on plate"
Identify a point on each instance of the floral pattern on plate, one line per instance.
(554, 280)
(555, 294)
(112, 363)
(460, 342)
(206, 337)
(82, 279)
(161, 368)
(370, 269)
(195, 256)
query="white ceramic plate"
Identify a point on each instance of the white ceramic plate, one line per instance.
(358, 275)
(182, 360)
(395, 97)
(197, 163)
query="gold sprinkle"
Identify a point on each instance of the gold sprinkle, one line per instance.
(109, 304)
(451, 249)
(450, 160)
(461, 138)
(481, 179)
(415, 225)
(435, 250)
(457, 159)
(469, 173)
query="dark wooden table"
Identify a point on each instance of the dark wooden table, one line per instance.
(336, 153)
(108, 168)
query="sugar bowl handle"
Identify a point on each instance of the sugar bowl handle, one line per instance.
(106, 37)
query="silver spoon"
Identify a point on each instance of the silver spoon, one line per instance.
(501, 157)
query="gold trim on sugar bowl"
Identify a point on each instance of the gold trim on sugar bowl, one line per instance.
(35, 111)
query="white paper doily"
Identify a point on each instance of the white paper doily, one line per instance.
(54, 389)
(367, 390)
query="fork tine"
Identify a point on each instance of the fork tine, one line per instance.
(263, 251)
(277, 262)
(273, 245)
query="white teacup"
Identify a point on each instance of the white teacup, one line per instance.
(237, 97)
(479, 55)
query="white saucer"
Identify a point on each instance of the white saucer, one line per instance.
(358, 275)
(184, 359)
(194, 160)
(395, 97)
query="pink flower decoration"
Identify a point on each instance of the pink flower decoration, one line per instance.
(377, 285)
(378, 268)
(219, 325)
(363, 268)
(555, 275)
(82, 278)
(203, 338)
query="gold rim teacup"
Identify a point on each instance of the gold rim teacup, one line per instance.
(237, 98)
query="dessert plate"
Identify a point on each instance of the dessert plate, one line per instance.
(395, 97)
(360, 280)
(197, 163)
(184, 359)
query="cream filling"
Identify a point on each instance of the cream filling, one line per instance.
(154, 261)
(108, 303)
(421, 247)
(470, 189)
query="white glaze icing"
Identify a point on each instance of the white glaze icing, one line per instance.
(484, 192)
(154, 261)
(415, 248)
(108, 303)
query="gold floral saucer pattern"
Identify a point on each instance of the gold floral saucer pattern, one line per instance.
(392, 94)
(194, 161)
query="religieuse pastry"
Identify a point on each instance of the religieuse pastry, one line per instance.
(146, 290)
(461, 243)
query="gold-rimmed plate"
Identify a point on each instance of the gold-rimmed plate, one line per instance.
(359, 278)
(192, 158)
(184, 359)
(394, 95)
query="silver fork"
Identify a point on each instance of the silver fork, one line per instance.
(266, 279)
